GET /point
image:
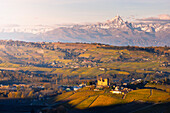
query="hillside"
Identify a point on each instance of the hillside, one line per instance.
(84, 60)
(103, 101)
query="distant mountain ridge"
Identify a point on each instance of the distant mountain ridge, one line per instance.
(115, 32)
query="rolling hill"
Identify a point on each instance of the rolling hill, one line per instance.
(91, 101)
(84, 60)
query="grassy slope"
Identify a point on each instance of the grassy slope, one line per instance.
(63, 96)
(162, 87)
(104, 100)
(86, 103)
(87, 99)
(149, 95)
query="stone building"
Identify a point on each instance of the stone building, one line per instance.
(103, 82)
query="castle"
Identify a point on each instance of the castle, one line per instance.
(103, 82)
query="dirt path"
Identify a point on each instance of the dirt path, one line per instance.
(151, 93)
(124, 96)
(93, 101)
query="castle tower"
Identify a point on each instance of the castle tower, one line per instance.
(103, 82)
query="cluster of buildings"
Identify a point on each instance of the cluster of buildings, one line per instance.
(71, 88)
(115, 89)
(120, 90)
(101, 84)
(19, 86)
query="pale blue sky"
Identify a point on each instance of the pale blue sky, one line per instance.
(33, 12)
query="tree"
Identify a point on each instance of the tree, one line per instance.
(23, 95)
(10, 95)
(18, 94)
(30, 94)
(18, 88)
(88, 84)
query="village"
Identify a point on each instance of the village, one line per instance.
(47, 89)
(104, 84)
(43, 90)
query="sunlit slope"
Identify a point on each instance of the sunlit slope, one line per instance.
(89, 99)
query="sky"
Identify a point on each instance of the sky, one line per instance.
(48, 12)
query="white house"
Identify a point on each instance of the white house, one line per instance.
(116, 92)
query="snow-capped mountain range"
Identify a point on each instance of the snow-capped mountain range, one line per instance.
(118, 23)
(115, 32)
(34, 29)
